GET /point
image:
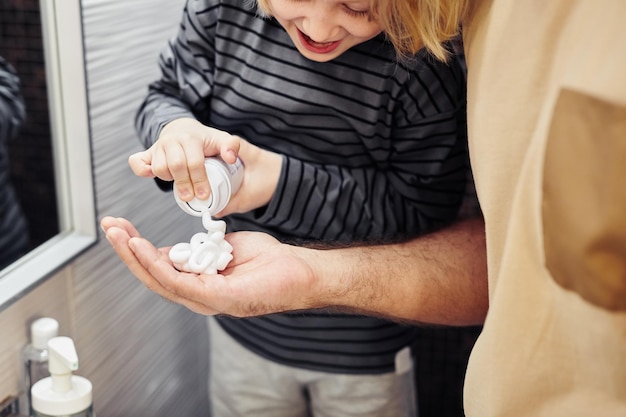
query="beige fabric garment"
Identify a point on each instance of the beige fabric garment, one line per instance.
(546, 119)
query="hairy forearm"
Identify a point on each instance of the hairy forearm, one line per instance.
(440, 278)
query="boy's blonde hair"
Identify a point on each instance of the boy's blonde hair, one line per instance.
(411, 25)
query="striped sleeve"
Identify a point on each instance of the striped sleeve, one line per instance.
(186, 66)
(12, 110)
(13, 226)
(416, 187)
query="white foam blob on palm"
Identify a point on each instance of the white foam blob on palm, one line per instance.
(206, 252)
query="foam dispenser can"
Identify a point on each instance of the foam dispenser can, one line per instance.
(62, 394)
(225, 179)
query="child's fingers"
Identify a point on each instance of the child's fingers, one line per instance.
(141, 164)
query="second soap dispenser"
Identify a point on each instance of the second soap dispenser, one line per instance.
(62, 394)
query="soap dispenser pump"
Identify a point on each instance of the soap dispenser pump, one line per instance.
(62, 394)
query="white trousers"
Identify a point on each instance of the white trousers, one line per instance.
(243, 384)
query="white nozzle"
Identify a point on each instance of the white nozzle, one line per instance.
(62, 360)
(62, 394)
(42, 330)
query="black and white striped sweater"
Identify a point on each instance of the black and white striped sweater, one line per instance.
(373, 151)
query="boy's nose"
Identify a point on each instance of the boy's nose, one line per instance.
(320, 28)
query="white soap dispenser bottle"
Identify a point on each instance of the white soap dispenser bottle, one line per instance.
(62, 394)
(35, 355)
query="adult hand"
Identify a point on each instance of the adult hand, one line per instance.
(264, 276)
(440, 278)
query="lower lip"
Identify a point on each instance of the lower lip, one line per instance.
(315, 47)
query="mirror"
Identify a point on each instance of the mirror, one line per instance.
(26, 165)
(50, 157)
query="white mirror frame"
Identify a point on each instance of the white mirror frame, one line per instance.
(67, 97)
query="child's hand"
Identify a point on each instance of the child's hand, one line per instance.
(179, 154)
(260, 178)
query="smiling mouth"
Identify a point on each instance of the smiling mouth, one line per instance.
(317, 47)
